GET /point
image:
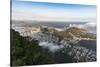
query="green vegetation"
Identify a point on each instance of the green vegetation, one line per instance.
(25, 52)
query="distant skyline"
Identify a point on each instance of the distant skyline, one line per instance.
(41, 11)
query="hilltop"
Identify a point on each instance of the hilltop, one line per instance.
(70, 33)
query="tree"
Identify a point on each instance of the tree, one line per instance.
(25, 52)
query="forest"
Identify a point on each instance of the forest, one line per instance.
(25, 52)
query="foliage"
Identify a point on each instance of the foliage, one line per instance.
(25, 52)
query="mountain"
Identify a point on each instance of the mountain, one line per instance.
(70, 33)
(25, 52)
(77, 32)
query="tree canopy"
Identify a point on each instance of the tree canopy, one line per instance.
(25, 52)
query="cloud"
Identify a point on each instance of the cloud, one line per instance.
(51, 46)
(18, 15)
(90, 26)
(51, 12)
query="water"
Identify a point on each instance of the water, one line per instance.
(49, 24)
(57, 25)
(90, 44)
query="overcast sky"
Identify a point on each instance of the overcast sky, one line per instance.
(39, 11)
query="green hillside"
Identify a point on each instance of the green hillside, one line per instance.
(25, 52)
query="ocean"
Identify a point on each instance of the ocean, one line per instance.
(89, 44)
(49, 24)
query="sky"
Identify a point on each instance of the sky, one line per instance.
(42, 11)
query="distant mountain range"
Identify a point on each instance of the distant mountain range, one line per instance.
(70, 33)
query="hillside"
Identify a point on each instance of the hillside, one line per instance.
(25, 52)
(76, 32)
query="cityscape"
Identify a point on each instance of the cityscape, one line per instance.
(52, 33)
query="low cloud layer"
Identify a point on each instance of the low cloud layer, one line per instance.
(51, 46)
(91, 27)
